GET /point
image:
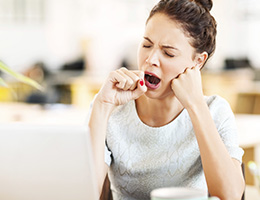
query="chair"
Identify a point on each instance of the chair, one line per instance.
(106, 193)
(243, 170)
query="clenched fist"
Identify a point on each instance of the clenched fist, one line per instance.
(122, 86)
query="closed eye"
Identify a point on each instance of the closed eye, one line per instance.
(146, 46)
(170, 55)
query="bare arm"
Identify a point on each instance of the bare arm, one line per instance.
(98, 124)
(120, 87)
(223, 174)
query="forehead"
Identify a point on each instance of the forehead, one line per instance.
(162, 29)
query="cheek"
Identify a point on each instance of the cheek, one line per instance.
(173, 69)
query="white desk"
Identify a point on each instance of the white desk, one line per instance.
(35, 114)
(252, 193)
(249, 137)
(248, 125)
(248, 129)
(249, 133)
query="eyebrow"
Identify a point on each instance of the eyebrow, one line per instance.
(146, 38)
(164, 46)
(169, 47)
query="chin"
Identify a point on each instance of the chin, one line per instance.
(154, 95)
(158, 95)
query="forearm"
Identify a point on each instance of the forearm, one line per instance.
(224, 178)
(120, 87)
(98, 125)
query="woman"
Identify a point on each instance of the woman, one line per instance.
(155, 126)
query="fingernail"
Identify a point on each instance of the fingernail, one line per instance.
(141, 82)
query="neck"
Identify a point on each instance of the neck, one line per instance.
(158, 112)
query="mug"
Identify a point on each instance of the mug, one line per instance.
(180, 193)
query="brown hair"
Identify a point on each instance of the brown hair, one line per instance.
(194, 18)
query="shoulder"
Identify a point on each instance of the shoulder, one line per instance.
(220, 110)
(217, 103)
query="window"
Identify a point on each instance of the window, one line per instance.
(21, 11)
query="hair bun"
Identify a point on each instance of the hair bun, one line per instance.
(205, 3)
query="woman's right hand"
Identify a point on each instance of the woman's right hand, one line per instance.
(122, 86)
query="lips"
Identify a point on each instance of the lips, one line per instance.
(151, 80)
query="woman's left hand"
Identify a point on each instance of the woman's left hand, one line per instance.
(187, 87)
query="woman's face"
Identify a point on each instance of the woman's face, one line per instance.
(164, 53)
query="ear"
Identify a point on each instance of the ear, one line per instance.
(201, 59)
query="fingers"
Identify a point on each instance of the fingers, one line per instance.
(188, 70)
(188, 73)
(125, 79)
(139, 73)
(134, 75)
(140, 90)
(125, 82)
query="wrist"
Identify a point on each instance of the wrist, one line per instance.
(197, 106)
(103, 106)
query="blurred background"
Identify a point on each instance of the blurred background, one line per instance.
(63, 42)
(69, 46)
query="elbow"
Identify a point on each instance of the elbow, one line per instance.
(237, 196)
(231, 197)
(233, 194)
(239, 191)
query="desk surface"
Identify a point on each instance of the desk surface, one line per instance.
(252, 193)
(37, 114)
(248, 129)
(248, 125)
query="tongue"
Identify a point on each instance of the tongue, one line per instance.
(152, 79)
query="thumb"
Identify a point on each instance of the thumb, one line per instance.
(140, 90)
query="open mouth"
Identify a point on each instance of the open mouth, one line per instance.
(152, 81)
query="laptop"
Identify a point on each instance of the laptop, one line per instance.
(46, 162)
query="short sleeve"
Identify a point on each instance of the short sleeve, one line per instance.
(108, 156)
(226, 125)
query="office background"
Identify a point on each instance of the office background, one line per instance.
(69, 46)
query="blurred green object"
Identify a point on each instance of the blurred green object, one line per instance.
(17, 76)
(255, 171)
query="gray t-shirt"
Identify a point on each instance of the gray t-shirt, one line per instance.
(143, 158)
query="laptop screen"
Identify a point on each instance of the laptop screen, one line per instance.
(46, 163)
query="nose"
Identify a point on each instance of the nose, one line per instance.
(153, 59)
